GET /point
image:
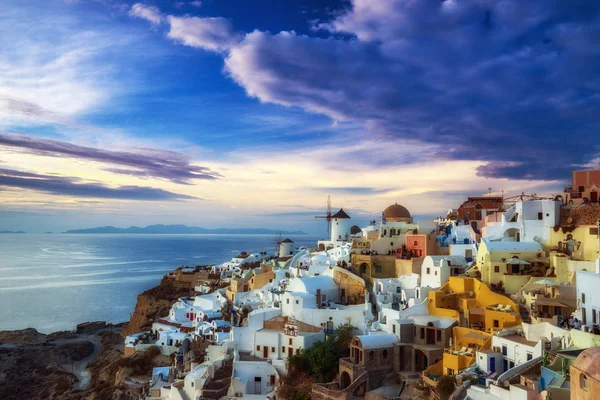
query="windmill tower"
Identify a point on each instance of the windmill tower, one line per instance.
(327, 216)
(277, 242)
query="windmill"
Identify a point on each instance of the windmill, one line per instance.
(277, 243)
(327, 216)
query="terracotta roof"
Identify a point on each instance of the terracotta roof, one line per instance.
(396, 211)
(587, 362)
(340, 214)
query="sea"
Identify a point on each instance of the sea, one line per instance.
(52, 282)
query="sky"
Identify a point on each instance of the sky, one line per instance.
(229, 113)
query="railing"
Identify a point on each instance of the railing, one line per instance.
(348, 362)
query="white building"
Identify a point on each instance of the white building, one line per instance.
(253, 380)
(588, 302)
(509, 349)
(322, 286)
(525, 221)
(437, 270)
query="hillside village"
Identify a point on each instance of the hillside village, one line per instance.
(494, 300)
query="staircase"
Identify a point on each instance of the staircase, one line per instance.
(525, 317)
(217, 386)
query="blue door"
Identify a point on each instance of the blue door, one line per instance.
(492, 364)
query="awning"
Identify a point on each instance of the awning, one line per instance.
(550, 302)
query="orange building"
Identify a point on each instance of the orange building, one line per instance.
(477, 208)
(585, 186)
(585, 375)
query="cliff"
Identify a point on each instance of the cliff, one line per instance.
(155, 303)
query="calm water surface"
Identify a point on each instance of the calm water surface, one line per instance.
(53, 282)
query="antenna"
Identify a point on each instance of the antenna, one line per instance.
(327, 216)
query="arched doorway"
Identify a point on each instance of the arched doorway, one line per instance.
(421, 362)
(513, 233)
(363, 268)
(345, 380)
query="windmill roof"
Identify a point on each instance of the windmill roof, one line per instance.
(340, 214)
(287, 240)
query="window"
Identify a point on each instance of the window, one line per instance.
(428, 271)
(272, 349)
(422, 333)
(394, 329)
(416, 243)
(496, 323)
(435, 273)
(371, 355)
(385, 355)
(290, 342)
(496, 269)
(438, 335)
(582, 298)
(583, 382)
(192, 383)
(594, 317)
(529, 356)
(283, 349)
(297, 302)
(287, 301)
(540, 216)
(594, 231)
(257, 348)
(504, 350)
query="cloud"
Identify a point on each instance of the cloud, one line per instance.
(69, 186)
(59, 70)
(214, 34)
(196, 3)
(149, 13)
(144, 163)
(352, 190)
(512, 84)
(208, 33)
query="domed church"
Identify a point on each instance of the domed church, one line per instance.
(397, 213)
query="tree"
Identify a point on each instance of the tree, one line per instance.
(344, 334)
(323, 358)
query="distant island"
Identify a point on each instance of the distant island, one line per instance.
(183, 229)
(12, 232)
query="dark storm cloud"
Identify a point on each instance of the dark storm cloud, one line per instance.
(514, 84)
(145, 163)
(68, 186)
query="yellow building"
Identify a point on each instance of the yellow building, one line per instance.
(509, 265)
(479, 311)
(473, 304)
(254, 279)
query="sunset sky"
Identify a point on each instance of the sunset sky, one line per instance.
(237, 113)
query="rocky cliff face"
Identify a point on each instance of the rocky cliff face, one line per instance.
(155, 303)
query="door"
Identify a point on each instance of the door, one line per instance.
(257, 385)
(265, 352)
(290, 351)
(492, 364)
(593, 197)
